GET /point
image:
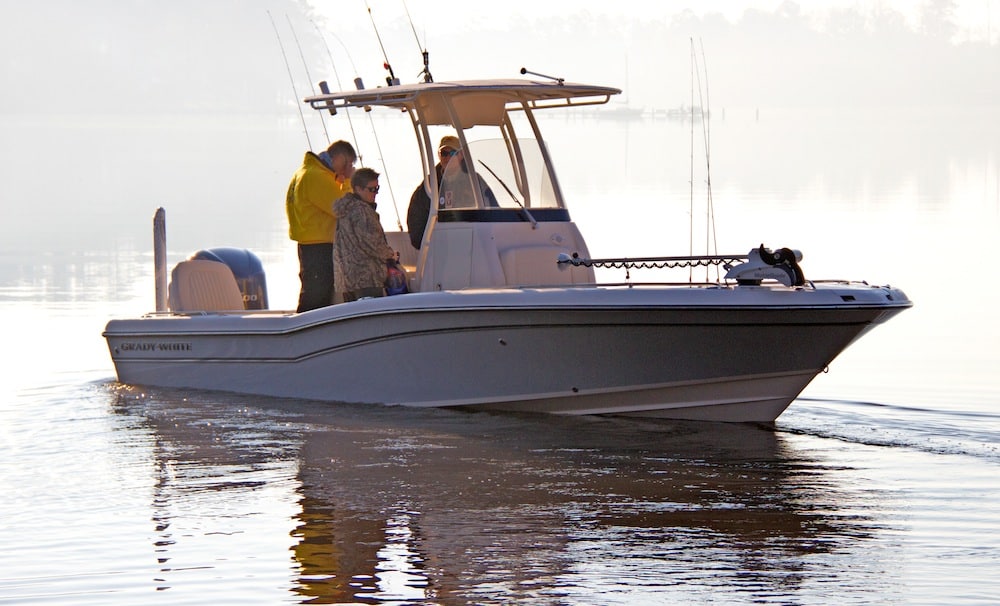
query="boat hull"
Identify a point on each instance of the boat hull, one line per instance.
(725, 354)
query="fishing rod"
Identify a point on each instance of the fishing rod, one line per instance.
(426, 73)
(691, 167)
(702, 113)
(360, 85)
(703, 104)
(391, 79)
(291, 79)
(706, 120)
(305, 65)
(336, 75)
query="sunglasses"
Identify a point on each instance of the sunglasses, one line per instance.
(374, 190)
(448, 152)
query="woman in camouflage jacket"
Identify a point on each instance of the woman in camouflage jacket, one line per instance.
(360, 251)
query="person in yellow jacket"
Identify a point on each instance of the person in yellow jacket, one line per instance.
(312, 222)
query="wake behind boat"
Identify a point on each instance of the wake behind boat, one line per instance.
(505, 311)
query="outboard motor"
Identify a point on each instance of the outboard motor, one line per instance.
(246, 268)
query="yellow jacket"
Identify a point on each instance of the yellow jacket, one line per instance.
(309, 202)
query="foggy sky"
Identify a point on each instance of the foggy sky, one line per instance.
(111, 56)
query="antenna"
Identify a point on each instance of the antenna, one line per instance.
(391, 79)
(525, 70)
(426, 72)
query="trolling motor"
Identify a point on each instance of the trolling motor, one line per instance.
(781, 265)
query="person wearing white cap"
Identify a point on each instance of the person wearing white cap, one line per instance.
(457, 184)
(449, 180)
(420, 203)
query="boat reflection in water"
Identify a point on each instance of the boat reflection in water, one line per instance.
(396, 503)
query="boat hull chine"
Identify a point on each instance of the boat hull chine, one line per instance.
(749, 399)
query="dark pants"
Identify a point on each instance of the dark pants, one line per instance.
(316, 275)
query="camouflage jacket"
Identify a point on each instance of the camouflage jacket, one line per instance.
(360, 251)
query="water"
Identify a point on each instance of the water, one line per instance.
(879, 485)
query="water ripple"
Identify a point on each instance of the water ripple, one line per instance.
(935, 431)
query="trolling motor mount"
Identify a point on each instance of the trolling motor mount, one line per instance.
(781, 265)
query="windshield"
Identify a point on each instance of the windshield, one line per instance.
(503, 176)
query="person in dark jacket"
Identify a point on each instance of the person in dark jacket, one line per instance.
(420, 203)
(419, 210)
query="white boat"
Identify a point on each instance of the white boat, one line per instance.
(504, 310)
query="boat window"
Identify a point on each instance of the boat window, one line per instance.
(507, 176)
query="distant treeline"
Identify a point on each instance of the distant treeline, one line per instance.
(149, 56)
